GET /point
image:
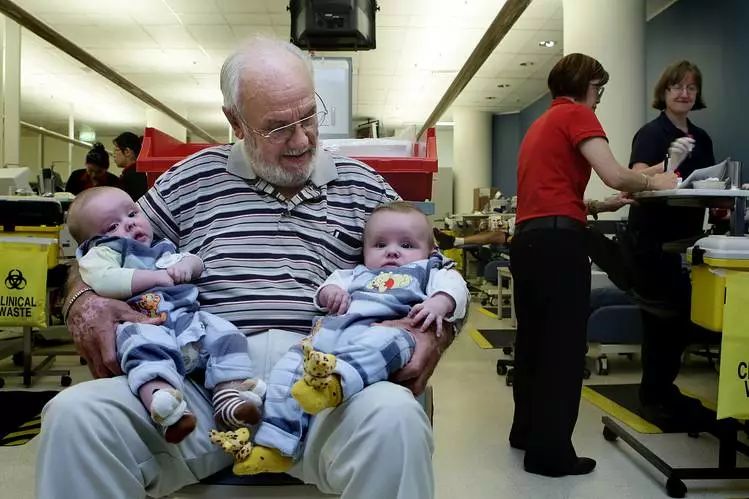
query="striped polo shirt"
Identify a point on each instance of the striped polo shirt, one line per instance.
(265, 255)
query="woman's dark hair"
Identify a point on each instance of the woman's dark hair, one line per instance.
(98, 156)
(573, 73)
(128, 140)
(673, 75)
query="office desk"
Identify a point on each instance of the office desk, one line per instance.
(726, 430)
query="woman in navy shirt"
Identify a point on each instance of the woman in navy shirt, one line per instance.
(664, 282)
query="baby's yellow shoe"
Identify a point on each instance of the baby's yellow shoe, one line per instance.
(262, 460)
(317, 394)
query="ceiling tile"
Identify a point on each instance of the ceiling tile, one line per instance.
(256, 19)
(203, 19)
(192, 6)
(242, 6)
(171, 36)
(242, 32)
(214, 36)
(280, 19)
(157, 44)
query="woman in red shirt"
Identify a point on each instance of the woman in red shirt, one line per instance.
(550, 263)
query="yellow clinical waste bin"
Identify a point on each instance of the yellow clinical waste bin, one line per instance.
(713, 258)
(23, 280)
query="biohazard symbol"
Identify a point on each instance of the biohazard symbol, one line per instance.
(15, 279)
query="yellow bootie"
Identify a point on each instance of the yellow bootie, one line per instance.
(315, 394)
(262, 460)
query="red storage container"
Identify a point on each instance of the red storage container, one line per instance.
(411, 177)
(160, 151)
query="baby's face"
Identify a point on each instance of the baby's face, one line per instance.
(393, 239)
(116, 214)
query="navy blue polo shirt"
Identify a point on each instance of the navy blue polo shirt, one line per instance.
(651, 142)
(657, 222)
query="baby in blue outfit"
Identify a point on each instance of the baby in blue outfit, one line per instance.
(118, 258)
(350, 349)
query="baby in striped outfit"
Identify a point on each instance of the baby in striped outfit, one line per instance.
(118, 258)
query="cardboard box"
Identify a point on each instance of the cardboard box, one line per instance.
(482, 195)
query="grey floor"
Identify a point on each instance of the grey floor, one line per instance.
(473, 410)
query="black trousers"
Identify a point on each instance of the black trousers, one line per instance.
(667, 328)
(551, 274)
(664, 340)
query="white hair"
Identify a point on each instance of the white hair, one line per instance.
(244, 57)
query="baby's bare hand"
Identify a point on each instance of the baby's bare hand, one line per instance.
(432, 311)
(335, 299)
(179, 273)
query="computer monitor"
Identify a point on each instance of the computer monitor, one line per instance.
(13, 179)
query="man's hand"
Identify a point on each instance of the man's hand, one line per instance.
(92, 321)
(427, 353)
(334, 298)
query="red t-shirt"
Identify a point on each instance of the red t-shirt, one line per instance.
(552, 173)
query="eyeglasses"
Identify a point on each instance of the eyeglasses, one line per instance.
(599, 91)
(283, 133)
(691, 89)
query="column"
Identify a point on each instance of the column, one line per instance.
(71, 134)
(11, 92)
(164, 123)
(472, 155)
(612, 31)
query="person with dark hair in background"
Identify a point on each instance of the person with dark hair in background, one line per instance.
(95, 174)
(665, 281)
(126, 150)
(550, 266)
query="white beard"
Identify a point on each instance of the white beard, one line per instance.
(277, 175)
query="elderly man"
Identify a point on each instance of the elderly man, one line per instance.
(271, 216)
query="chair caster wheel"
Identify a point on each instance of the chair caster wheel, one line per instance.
(66, 380)
(609, 435)
(82, 361)
(675, 488)
(586, 373)
(510, 377)
(18, 359)
(507, 350)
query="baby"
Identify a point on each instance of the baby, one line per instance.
(118, 258)
(348, 349)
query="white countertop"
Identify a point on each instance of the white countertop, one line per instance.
(694, 193)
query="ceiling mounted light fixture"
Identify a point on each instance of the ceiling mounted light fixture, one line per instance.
(547, 43)
(527, 63)
(503, 85)
(491, 97)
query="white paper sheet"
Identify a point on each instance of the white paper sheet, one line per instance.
(716, 171)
